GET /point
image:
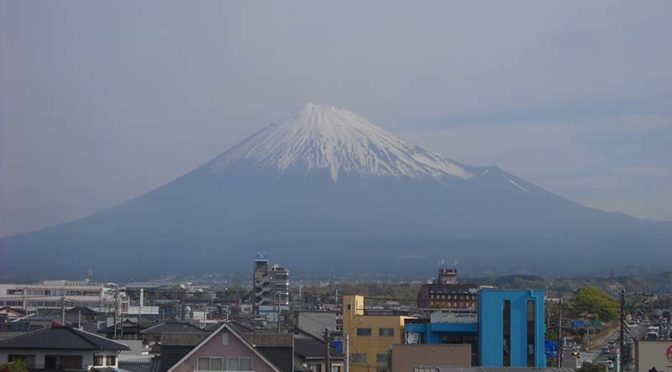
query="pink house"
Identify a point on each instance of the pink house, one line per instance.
(224, 350)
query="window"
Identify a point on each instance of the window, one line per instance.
(386, 332)
(62, 362)
(225, 339)
(363, 331)
(531, 328)
(210, 364)
(98, 360)
(506, 320)
(381, 358)
(216, 364)
(239, 364)
(359, 358)
(110, 360)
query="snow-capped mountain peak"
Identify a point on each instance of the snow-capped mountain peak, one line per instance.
(336, 139)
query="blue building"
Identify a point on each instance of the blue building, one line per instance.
(511, 328)
(508, 330)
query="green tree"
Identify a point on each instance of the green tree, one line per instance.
(590, 367)
(593, 300)
(19, 365)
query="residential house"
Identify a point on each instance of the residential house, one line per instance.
(61, 348)
(224, 349)
(309, 354)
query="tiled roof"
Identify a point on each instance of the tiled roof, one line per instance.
(268, 339)
(313, 349)
(281, 357)
(171, 327)
(60, 337)
(182, 339)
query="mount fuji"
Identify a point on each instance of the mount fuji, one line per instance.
(328, 190)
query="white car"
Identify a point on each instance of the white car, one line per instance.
(607, 363)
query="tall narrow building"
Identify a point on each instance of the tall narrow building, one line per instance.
(271, 288)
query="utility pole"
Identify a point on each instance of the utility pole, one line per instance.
(347, 352)
(116, 301)
(279, 312)
(327, 356)
(560, 342)
(622, 332)
(63, 310)
(236, 282)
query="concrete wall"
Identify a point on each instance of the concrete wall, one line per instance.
(407, 357)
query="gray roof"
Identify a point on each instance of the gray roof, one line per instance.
(308, 348)
(268, 339)
(172, 327)
(10, 334)
(182, 339)
(61, 338)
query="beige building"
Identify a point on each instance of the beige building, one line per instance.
(407, 357)
(370, 336)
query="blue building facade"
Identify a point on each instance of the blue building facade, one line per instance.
(511, 328)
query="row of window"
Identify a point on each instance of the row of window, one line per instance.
(54, 292)
(224, 364)
(386, 332)
(452, 297)
(451, 304)
(361, 358)
(107, 360)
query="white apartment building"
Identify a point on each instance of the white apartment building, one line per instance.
(53, 294)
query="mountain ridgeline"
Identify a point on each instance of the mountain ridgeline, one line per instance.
(329, 191)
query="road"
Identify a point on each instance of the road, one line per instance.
(597, 355)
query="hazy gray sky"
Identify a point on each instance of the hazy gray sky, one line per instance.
(103, 101)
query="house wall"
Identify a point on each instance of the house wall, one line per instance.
(215, 348)
(87, 356)
(407, 357)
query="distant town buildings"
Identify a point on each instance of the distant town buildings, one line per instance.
(446, 293)
(203, 327)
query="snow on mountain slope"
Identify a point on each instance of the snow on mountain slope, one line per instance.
(335, 139)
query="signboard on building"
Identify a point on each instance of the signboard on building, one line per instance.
(654, 354)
